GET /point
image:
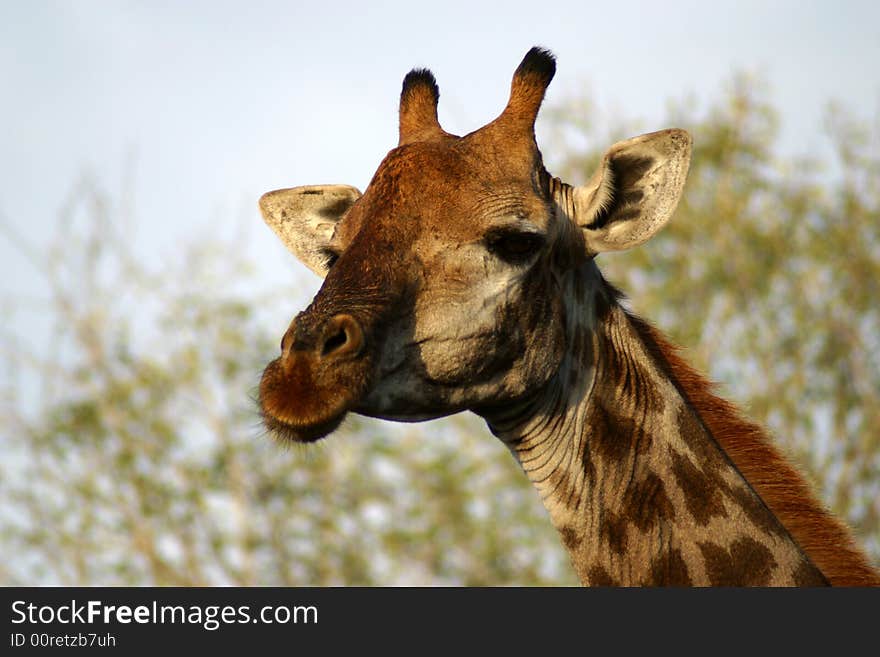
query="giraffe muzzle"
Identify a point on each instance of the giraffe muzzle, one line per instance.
(322, 373)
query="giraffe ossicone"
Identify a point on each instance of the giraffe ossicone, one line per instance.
(464, 279)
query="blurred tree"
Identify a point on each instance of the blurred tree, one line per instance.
(135, 455)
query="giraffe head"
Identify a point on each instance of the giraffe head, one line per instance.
(443, 282)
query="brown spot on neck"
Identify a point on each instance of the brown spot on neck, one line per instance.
(612, 531)
(570, 537)
(646, 504)
(598, 576)
(745, 563)
(701, 493)
(669, 569)
(615, 437)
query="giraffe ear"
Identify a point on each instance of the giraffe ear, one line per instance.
(305, 219)
(634, 192)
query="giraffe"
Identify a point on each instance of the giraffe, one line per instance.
(465, 279)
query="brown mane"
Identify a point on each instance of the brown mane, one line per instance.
(823, 538)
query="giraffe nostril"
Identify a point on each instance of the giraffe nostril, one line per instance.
(335, 341)
(343, 335)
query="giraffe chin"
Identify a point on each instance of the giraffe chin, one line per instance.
(297, 433)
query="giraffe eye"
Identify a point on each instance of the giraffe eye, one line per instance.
(331, 258)
(514, 247)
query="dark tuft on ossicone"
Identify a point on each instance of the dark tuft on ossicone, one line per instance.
(418, 107)
(420, 78)
(538, 62)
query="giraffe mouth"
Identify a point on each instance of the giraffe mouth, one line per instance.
(302, 400)
(285, 430)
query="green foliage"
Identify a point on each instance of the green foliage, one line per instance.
(135, 454)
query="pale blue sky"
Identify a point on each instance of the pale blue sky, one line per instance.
(217, 102)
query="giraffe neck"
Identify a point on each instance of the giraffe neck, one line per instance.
(638, 489)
